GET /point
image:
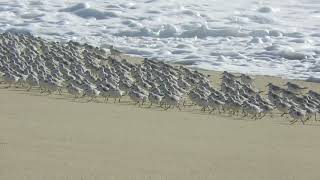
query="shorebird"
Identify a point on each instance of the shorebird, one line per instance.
(154, 98)
(137, 97)
(232, 105)
(266, 109)
(251, 109)
(91, 92)
(311, 112)
(32, 81)
(297, 114)
(295, 88)
(73, 90)
(247, 80)
(215, 104)
(10, 79)
(114, 52)
(314, 94)
(282, 107)
(116, 93)
(53, 86)
(288, 94)
(273, 98)
(170, 100)
(104, 91)
(274, 89)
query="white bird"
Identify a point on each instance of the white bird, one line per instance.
(154, 98)
(251, 109)
(91, 92)
(74, 90)
(247, 80)
(10, 79)
(104, 91)
(295, 88)
(171, 100)
(114, 52)
(116, 93)
(215, 104)
(297, 114)
(137, 97)
(32, 81)
(282, 107)
(274, 89)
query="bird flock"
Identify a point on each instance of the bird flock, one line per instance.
(85, 71)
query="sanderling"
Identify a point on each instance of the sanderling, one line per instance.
(74, 90)
(251, 109)
(154, 98)
(295, 88)
(10, 79)
(297, 114)
(170, 100)
(282, 107)
(247, 80)
(32, 81)
(137, 97)
(114, 52)
(91, 92)
(274, 89)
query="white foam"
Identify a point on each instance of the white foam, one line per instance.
(256, 40)
(265, 9)
(235, 35)
(259, 33)
(75, 7)
(168, 30)
(94, 13)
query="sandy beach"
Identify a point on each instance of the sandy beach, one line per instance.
(54, 137)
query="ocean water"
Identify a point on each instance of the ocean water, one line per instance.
(268, 37)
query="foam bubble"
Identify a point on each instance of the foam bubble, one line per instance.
(265, 9)
(75, 7)
(168, 30)
(94, 13)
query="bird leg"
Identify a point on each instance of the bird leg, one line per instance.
(8, 86)
(29, 88)
(283, 114)
(90, 99)
(293, 121)
(264, 114)
(60, 92)
(245, 115)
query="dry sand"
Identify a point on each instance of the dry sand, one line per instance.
(55, 138)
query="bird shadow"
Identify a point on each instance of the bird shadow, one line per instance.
(312, 124)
